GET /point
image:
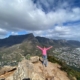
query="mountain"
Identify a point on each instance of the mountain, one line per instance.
(13, 48)
(17, 39)
(58, 43)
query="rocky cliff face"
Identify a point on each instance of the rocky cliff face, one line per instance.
(34, 70)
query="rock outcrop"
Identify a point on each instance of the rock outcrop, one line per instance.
(27, 70)
(34, 59)
(6, 69)
(34, 70)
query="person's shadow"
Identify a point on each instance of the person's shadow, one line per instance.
(41, 60)
(26, 79)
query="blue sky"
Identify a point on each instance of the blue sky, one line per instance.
(56, 19)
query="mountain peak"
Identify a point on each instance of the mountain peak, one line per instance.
(15, 39)
(30, 34)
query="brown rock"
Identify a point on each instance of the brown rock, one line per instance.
(29, 70)
(26, 70)
(34, 59)
(41, 59)
(6, 69)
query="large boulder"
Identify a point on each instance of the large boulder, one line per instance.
(34, 59)
(25, 71)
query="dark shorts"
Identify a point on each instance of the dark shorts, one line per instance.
(44, 56)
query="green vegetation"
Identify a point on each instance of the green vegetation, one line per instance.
(70, 71)
(27, 56)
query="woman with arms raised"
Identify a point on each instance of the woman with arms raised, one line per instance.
(44, 53)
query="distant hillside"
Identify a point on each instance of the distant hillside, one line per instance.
(17, 39)
(58, 43)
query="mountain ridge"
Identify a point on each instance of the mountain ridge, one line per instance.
(17, 39)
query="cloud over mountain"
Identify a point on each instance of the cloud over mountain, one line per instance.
(38, 16)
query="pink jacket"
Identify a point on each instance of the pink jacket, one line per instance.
(44, 50)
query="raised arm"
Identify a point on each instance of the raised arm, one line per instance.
(39, 47)
(49, 48)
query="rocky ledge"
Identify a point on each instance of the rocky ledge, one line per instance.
(34, 70)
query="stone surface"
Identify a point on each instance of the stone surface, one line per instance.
(6, 69)
(27, 70)
(34, 59)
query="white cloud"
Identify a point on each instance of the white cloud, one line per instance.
(14, 33)
(56, 31)
(60, 32)
(2, 31)
(17, 15)
(76, 10)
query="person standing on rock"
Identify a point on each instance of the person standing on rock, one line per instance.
(44, 53)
